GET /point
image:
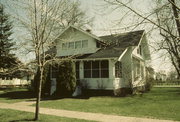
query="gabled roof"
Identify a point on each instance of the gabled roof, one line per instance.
(85, 32)
(124, 39)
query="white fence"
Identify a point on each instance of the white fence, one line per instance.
(14, 82)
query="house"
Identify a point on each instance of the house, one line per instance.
(108, 62)
(150, 73)
(161, 76)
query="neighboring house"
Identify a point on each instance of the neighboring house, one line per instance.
(108, 62)
(161, 76)
(150, 73)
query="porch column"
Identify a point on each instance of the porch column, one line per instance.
(81, 70)
(111, 68)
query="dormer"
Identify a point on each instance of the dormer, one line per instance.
(75, 41)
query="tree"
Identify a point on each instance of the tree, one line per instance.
(44, 20)
(7, 59)
(167, 22)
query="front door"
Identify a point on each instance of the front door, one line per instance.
(53, 85)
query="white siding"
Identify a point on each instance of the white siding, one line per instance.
(126, 69)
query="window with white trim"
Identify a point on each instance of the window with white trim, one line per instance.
(136, 67)
(75, 45)
(118, 69)
(96, 69)
(78, 44)
(84, 43)
(64, 45)
(71, 45)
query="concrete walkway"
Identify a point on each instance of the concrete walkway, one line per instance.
(24, 106)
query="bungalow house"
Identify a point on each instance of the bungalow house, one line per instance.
(108, 62)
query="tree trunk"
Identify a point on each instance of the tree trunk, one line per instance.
(39, 94)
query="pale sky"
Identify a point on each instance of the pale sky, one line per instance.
(105, 22)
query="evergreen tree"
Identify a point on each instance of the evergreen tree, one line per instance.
(7, 60)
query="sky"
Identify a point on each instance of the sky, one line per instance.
(106, 22)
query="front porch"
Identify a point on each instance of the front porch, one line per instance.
(103, 74)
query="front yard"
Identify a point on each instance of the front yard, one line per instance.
(161, 103)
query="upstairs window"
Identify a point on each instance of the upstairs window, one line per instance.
(98, 45)
(71, 45)
(84, 43)
(75, 45)
(78, 44)
(139, 50)
(64, 45)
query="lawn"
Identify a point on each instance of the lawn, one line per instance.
(161, 103)
(12, 95)
(7, 115)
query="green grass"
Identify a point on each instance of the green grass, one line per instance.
(7, 115)
(12, 95)
(161, 103)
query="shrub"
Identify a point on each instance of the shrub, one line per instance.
(66, 80)
(122, 92)
(149, 84)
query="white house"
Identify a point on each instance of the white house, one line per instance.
(108, 62)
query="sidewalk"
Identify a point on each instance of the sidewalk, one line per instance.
(24, 106)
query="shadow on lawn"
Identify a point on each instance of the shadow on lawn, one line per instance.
(22, 120)
(19, 94)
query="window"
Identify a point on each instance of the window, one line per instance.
(96, 69)
(84, 43)
(78, 44)
(136, 64)
(77, 70)
(139, 50)
(71, 45)
(118, 69)
(87, 69)
(142, 71)
(64, 45)
(98, 45)
(104, 69)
